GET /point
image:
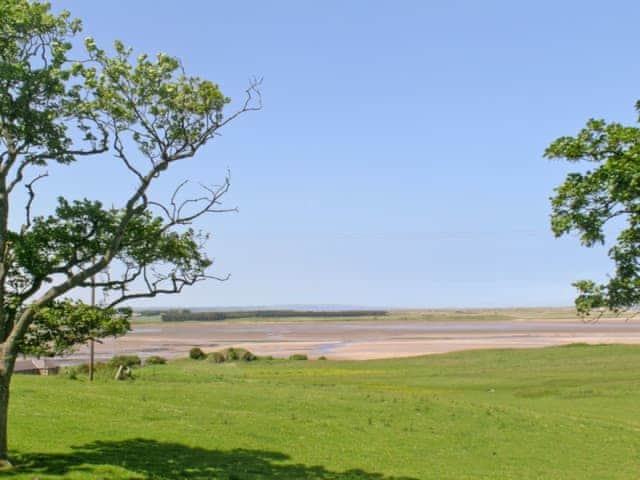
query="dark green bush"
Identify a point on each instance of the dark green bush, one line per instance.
(322, 357)
(217, 357)
(247, 356)
(231, 354)
(298, 356)
(125, 361)
(155, 360)
(234, 353)
(196, 354)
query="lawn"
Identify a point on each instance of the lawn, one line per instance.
(554, 413)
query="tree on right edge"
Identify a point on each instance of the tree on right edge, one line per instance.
(587, 203)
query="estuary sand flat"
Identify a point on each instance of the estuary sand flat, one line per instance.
(365, 339)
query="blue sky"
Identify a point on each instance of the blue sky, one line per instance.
(398, 157)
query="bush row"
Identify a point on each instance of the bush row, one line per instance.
(226, 355)
(129, 361)
(107, 369)
(234, 354)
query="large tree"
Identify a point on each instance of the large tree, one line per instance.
(603, 199)
(61, 104)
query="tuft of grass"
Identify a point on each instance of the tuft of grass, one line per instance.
(155, 360)
(583, 345)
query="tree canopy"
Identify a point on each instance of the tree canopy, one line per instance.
(590, 202)
(63, 325)
(61, 103)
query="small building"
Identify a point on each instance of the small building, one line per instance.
(36, 366)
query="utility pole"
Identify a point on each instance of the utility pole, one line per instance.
(91, 342)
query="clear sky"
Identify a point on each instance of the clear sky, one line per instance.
(398, 158)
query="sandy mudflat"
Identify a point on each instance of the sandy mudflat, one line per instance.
(359, 340)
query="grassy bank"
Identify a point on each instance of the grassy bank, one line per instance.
(565, 412)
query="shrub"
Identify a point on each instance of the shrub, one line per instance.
(322, 357)
(247, 356)
(217, 357)
(155, 360)
(233, 353)
(196, 354)
(125, 361)
(298, 356)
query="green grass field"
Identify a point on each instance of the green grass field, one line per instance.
(555, 413)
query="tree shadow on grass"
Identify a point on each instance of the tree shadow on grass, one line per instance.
(150, 459)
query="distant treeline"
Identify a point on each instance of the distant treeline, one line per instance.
(154, 313)
(186, 316)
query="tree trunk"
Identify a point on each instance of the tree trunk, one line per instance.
(5, 380)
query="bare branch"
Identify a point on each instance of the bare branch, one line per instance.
(119, 148)
(19, 174)
(176, 286)
(32, 196)
(252, 103)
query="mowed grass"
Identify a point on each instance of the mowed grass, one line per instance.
(554, 413)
